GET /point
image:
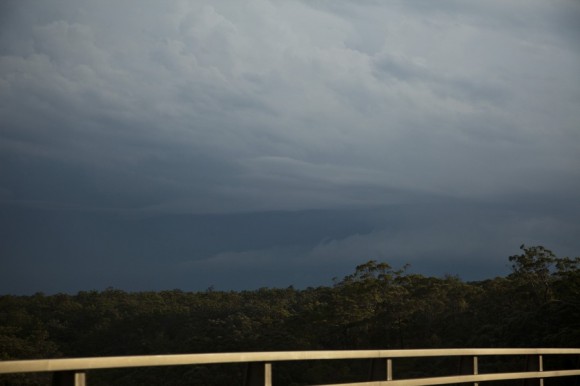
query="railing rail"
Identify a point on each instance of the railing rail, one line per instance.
(73, 371)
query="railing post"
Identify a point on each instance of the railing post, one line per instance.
(468, 366)
(258, 374)
(267, 374)
(69, 378)
(389, 369)
(541, 367)
(475, 369)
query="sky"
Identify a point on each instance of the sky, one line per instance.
(150, 145)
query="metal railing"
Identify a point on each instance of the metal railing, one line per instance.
(72, 372)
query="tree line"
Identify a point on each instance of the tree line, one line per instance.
(377, 306)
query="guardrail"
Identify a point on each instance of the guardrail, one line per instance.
(72, 372)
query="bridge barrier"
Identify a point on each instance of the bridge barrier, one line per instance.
(72, 372)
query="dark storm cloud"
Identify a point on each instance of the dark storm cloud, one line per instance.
(244, 251)
(135, 96)
(146, 109)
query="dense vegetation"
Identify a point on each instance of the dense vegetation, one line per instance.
(537, 305)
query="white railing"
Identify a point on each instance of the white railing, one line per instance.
(73, 371)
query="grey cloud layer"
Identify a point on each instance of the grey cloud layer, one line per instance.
(413, 114)
(325, 99)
